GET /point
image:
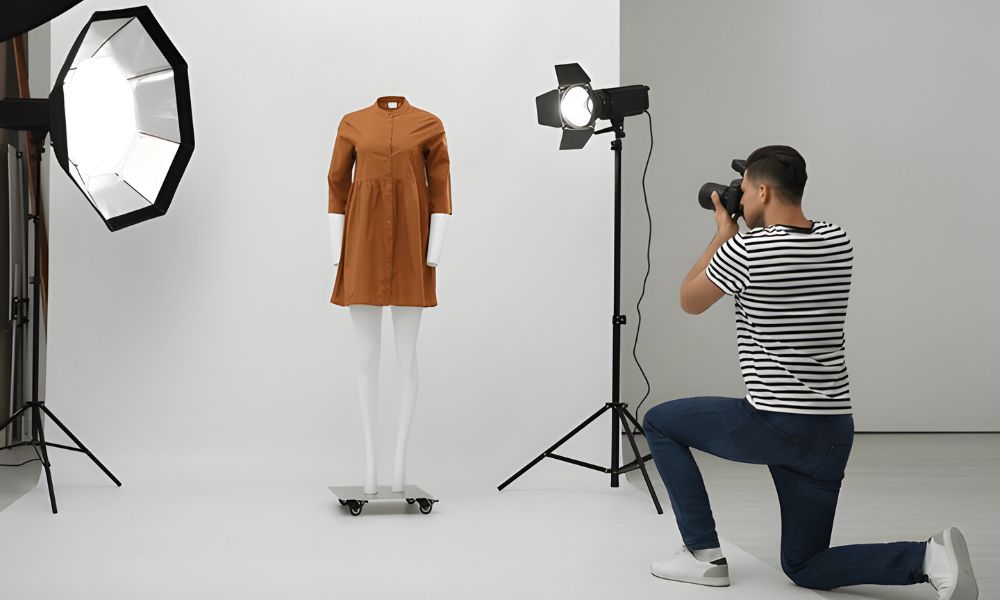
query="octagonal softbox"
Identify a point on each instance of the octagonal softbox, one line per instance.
(121, 116)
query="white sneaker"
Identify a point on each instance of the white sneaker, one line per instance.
(683, 566)
(949, 567)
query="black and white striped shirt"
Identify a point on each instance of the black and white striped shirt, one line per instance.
(790, 286)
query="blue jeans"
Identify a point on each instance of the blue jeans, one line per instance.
(806, 455)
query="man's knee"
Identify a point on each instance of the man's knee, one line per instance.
(654, 419)
(801, 576)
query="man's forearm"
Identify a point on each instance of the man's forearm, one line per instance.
(717, 241)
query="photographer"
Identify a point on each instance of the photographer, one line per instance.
(790, 278)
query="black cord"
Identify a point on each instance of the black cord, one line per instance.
(649, 243)
(33, 447)
(21, 464)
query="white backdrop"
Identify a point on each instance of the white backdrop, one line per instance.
(203, 346)
(893, 105)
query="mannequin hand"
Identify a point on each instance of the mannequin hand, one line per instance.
(727, 226)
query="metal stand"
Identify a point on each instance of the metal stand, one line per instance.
(36, 406)
(620, 414)
(355, 498)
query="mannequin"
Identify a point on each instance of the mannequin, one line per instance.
(367, 322)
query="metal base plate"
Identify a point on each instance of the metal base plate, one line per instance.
(357, 492)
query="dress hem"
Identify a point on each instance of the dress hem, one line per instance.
(379, 304)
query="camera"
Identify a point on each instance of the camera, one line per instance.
(729, 195)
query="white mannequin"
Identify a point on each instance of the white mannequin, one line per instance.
(367, 320)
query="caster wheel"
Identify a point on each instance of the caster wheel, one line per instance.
(343, 502)
(425, 506)
(355, 507)
(410, 500)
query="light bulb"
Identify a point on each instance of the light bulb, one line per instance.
(576, 106)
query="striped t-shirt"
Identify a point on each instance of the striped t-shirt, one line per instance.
(790, 285)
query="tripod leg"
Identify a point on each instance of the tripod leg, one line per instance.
(634, 420)
(642, 463)
(638, 429)
(36, 425)
(554, 446)
(616, 423)
(80, 444)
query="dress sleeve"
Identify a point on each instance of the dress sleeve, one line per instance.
(341, 171)
(438, 172)
(730, 266)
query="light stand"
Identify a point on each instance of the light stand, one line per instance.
(119, 116)
(35, 407)
(620, 414)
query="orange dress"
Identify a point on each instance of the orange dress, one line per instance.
(389, 172)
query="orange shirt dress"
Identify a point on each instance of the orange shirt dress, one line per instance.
(389, 172)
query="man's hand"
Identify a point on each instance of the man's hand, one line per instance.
(727, 226)
(698, 292)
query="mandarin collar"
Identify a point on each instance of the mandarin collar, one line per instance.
(404, 105)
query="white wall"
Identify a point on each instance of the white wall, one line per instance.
(203, 344)
(893, 104)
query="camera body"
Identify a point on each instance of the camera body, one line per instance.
(729, 195)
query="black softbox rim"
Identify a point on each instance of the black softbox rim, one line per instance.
(185, 121)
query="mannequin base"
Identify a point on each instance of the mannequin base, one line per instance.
(355, 498)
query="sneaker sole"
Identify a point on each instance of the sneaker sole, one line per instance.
(966, 587)
(710, 583)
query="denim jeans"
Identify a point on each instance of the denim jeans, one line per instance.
(806, 455)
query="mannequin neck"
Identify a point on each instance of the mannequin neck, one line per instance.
(391, 103)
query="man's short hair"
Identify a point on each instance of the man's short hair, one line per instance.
(782, 167)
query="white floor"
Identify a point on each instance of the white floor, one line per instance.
(572, 540)
(558, 533)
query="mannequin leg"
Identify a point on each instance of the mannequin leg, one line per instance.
(367, 320)
(405, 325)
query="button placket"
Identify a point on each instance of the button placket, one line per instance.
(392, 208)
